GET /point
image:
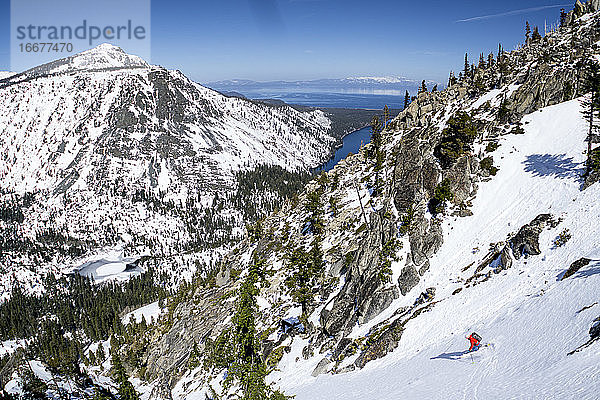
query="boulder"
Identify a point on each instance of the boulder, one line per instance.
(505, 258)
(526, 241)
(426, 296)
(575, 266)
(408, 279)
(321, 367)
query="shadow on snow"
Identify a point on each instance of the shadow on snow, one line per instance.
(558, 166)
(451, 356)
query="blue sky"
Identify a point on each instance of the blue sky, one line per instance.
(310, 39)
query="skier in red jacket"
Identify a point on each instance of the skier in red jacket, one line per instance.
(475, 340)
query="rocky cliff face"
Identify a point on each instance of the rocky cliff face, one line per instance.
(355, 317)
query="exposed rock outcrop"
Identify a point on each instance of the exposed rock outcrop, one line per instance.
(408, 279)
(161, 391)
(321, 367)
(193, 323)
(526, 241)
(364, 294)
(595, 329)
(575, 266)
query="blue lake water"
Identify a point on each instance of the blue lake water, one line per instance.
(353, 140)
(352, 143)
(327, 99)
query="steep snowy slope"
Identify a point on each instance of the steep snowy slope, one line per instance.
(531, 318)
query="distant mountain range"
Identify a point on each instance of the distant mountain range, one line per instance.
(343, 85)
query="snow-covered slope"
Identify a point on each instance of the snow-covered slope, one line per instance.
(139, 119)
(531, 318)
(465, 219)
(120, 153)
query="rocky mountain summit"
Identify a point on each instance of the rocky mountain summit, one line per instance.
(473, 181)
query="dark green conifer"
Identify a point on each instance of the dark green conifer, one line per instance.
(591, 105)
(536, 37)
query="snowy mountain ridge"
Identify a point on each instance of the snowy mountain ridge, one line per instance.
(102, 57)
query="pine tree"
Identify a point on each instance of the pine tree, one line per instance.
(377, 152)
(536, 37)
(481, 61)
(314, 210)
(591, 105)
(247, 367)
(466, 67)
(434, 88)
(33, 387)
(451, 79)
(563, 17)
(386, 116)
(126, 389)
(306, 269)
(423, 88)
(406, 100)
(527, 32)
(500, 51)
(503, 111)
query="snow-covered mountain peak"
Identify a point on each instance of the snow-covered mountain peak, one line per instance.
(106, 56)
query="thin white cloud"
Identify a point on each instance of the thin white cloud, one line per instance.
(509, 13)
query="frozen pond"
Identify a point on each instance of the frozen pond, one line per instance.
(110, 268)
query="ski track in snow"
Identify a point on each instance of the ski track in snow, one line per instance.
(529, 316)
